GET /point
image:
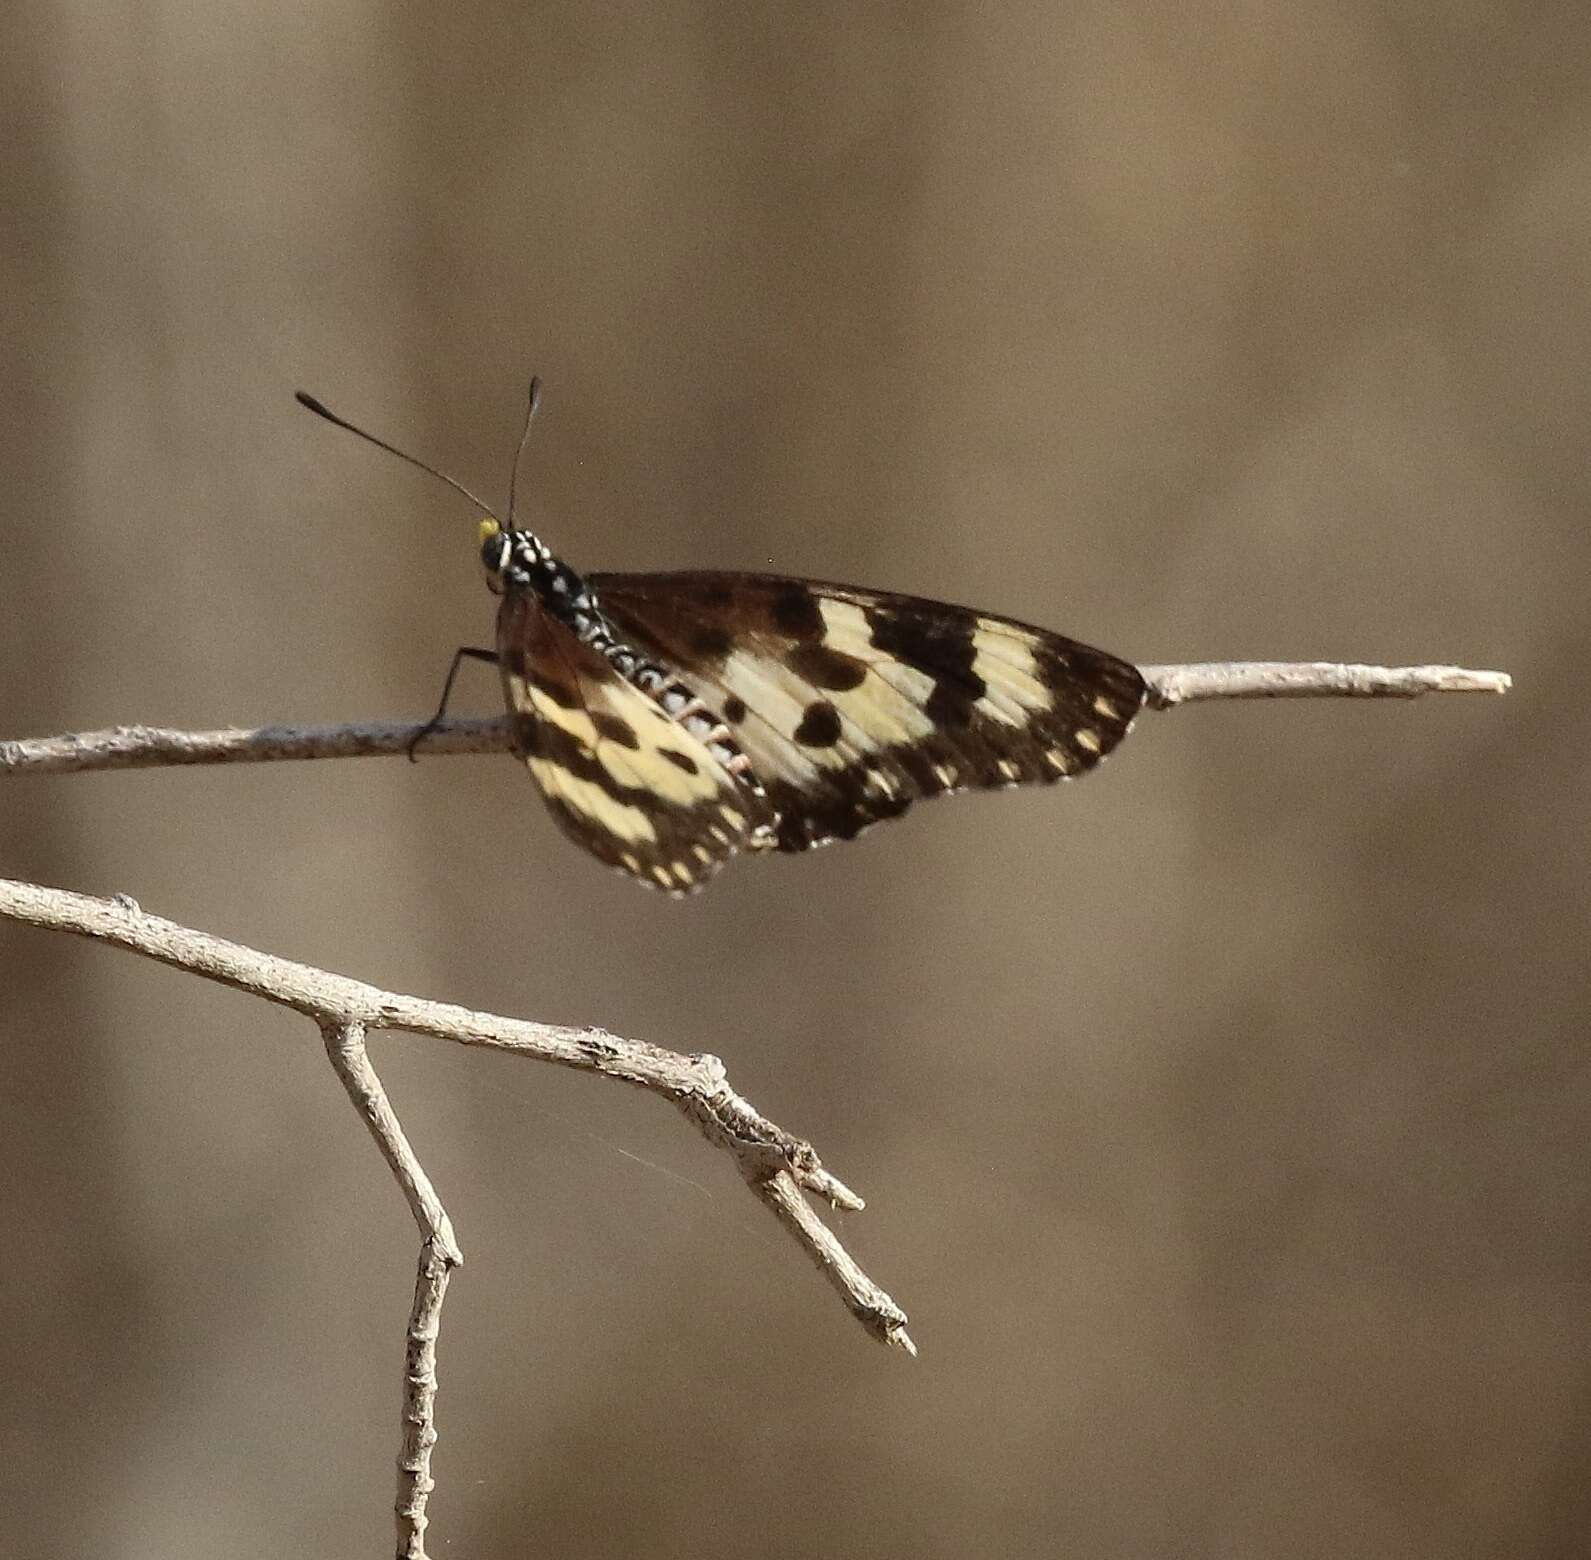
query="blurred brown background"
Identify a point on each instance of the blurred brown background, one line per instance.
(1223, 1118)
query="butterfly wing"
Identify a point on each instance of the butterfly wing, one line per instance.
(852, 704)
(623, 778)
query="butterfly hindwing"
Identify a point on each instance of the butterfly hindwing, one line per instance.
(853, 704)
(621, 776)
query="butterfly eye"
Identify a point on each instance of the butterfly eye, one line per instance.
(494, 549)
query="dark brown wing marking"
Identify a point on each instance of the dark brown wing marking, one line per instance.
(622, 777)
(853, 704)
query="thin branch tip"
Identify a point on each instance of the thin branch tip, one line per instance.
(1194, 681)
(835, 1192)
(887, 1323)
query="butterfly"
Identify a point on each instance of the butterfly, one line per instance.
(675, 720)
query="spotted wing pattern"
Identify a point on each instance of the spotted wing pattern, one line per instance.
(622, 776)
(852, 704)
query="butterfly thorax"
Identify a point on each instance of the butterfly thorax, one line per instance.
(520, 563)
(520, 560)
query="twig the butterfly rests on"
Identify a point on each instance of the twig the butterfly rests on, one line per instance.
(153, 747)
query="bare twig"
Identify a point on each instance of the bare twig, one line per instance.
(778, 1167)
(345, 1045)
(152, 747)
(1173, 685)
(142, 747)
(419, 1394)
(439, 1255)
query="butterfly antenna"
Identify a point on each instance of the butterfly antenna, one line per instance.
(306, 400)
(524, 439)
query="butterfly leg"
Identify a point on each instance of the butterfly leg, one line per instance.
(463, 653)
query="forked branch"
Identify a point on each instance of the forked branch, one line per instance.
(780, 1169)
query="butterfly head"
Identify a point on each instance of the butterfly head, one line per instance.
(520, 560)
(496, 550)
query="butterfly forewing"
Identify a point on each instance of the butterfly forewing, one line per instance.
(853, 704)
(621, 776)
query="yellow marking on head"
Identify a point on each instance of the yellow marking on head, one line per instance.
(1085, 738)
(587, 799)
(487, 529)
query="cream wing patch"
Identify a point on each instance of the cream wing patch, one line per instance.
(588, 799)
(1008, 668)
(637, 744)
(888, 707)
(619, 774)
(883, 710)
